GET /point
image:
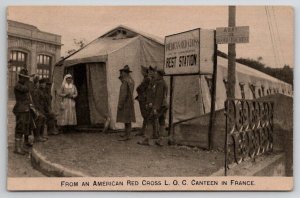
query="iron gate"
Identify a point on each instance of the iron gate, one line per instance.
(249, 129)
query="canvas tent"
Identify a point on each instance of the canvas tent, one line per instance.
(95, 68)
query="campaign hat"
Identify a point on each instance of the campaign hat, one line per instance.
(126, 69)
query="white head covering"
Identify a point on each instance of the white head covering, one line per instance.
(65, 84)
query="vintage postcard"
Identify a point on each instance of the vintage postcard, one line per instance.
(150, 98)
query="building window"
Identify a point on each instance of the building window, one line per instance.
(43, 66)
(17, 61)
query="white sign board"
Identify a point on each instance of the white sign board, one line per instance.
(225, 35)
(207, 50)
(186, 52)
(182, 53)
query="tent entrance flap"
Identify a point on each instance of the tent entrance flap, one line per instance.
(97, 92)
(82, 105)
(92, 100)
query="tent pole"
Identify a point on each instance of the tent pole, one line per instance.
(171, 108)
(213, 96)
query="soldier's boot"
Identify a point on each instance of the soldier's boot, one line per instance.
(155, 130)
(127, 132)
(26, 141)
(143, 129)
(42, 132)
(145, 142)
(37, 136)
(18, 147)
(162, 132)
(123, 135)
(51, 128)
(27, 145)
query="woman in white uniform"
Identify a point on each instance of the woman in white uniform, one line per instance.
(68, 93)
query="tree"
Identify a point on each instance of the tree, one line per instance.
(259, 59)
(78, 44)
(285, 73)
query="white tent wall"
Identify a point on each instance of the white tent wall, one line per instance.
(191, 93)
(128, 55)
(248, 76)
(151, 53)
(140, 51)
(205, 94)
(187, 99)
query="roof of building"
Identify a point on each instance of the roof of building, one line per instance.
(31, 32)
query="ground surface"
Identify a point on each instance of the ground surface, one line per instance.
(18, 166)
(102, 155)
(99, 154)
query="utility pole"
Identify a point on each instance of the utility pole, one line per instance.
(231, 57)
(231, 35)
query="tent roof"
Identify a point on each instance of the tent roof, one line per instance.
(113, 40)
(100, 47)
(132, 31)
(120, 36)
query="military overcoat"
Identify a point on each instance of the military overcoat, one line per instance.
(125, 113)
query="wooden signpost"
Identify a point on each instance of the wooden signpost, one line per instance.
(194, 52)
(227, 35)
(231, 35)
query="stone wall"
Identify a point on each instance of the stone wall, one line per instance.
(270, 165)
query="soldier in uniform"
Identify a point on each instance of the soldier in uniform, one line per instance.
(40, 103)
(160, 106)
(142, 98)
(125, 113)
(50, 116)
(33, 85)
(156, 104)
(22, 111)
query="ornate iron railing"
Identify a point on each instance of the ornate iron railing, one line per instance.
(249, 129)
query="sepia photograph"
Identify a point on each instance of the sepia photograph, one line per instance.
(150, 98)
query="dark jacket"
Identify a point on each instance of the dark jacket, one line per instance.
(161, 93)
(142, 90)
(157, 93)
(40, 100)
(125, 113)
(150, 93)
(22, 98)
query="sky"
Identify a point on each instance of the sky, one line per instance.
(78, 22)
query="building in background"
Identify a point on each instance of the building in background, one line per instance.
(31, 48)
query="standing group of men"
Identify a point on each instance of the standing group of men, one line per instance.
(32, 110)
(152, 98)
(33, 107)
